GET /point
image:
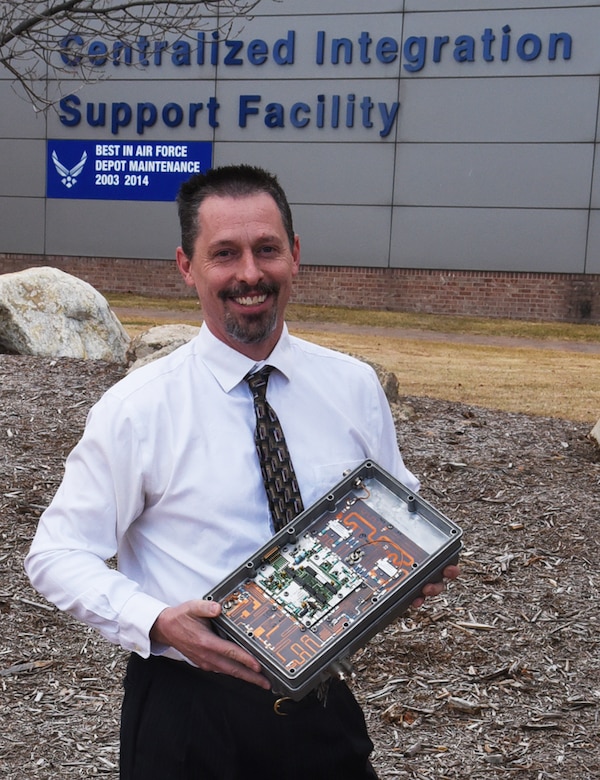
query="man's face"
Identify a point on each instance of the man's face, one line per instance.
(242, 269)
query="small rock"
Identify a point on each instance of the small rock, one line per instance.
(158, 342)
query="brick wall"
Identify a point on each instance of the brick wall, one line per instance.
(528, 296)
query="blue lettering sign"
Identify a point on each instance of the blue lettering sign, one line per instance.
(75, 51)
(333, 111)
(138, 117)
(344, 49)
(466, 48)
(213, 50)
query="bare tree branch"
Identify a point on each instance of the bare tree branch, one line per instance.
(31, 32)
(28, 24)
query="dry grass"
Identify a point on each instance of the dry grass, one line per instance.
(548, 382)
(537, 370)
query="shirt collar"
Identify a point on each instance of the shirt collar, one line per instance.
(229, 367)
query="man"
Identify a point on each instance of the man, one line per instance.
(167, 477)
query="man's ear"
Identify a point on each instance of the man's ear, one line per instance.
(296, 255)
(185, 265)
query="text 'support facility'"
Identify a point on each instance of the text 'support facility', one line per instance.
(439, 156)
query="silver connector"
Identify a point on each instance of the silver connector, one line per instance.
(342, 669)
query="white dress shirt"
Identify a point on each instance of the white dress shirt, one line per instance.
(166, 477)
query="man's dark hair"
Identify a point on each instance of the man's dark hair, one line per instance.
(230, 181)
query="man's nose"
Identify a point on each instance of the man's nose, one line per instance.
(248, 269)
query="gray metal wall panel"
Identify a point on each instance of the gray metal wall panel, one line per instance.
(22, 225)
(339, 173)
(595, 198)
(491, 239)
(412, 6)
(593, 249)
(23, 168)
(111, 229)
(517, 110)
(17, 117)
(349, 235)
(317, 8)
(507, 175)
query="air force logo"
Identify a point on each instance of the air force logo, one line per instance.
(69, 177)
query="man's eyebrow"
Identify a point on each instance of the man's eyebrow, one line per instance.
(221, 242)
(273, 239)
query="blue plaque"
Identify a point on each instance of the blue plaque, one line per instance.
(124, 170)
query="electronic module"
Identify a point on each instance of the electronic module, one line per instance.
(334, 577)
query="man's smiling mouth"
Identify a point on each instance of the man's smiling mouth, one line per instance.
(251, 300)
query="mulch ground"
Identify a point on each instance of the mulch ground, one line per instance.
(498, 677)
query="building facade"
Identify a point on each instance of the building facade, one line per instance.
(439, 156)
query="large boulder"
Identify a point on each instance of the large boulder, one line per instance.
(46, 312)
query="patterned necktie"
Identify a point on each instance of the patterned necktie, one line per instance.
(285, 501)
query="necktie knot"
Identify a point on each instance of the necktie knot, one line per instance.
(258, 382)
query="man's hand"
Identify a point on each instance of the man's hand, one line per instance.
(435, 588)
(187, 628)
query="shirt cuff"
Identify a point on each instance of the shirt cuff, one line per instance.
(135, 621)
